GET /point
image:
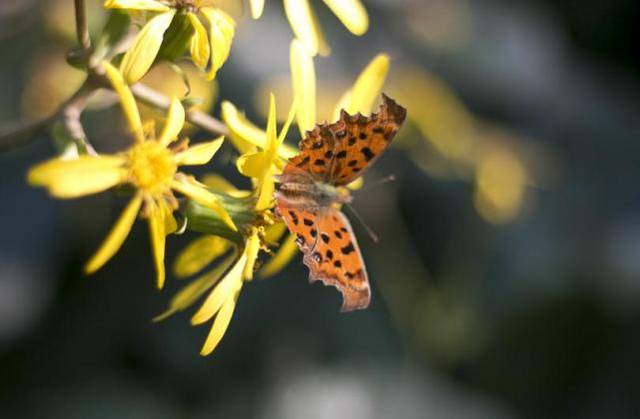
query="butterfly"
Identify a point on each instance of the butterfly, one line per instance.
(312, 187)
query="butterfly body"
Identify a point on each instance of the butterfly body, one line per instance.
(312, 188)
(303, 192)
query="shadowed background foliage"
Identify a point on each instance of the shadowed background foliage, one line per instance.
(506, 282)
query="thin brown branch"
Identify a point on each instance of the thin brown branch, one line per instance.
(82, 29)
(21, 133)
(148, 96)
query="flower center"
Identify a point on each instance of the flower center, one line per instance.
(151, 167)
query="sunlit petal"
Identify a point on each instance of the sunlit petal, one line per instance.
(149, 5)
(45, 173)
(116, 236)
(251, 250)
(245, 136)
(222, 29)
(127, 100)
(220, 324)
(198, 254)
(305, 26)
(351, 13)
(257, 7)
(204, 197)
(174, 123)
(142, 53)
(283, 256)
(157, 233)
(253, 165)
(196, 288)
(82, 176)
(199, 44)
(303, 80)
(367, 87)
(199, 153)
(222, 292)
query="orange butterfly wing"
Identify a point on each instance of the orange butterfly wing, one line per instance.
(331, 253)
(339, 153)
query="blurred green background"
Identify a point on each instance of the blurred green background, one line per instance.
(507, 280)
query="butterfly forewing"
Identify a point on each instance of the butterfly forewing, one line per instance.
(339, 153)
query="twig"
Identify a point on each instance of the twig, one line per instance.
(20, 133)
(206, 122)
(82, 30)
(70, 114)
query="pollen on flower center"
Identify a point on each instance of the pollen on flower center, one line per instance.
(151, 166)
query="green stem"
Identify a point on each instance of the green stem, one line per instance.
(204, 220)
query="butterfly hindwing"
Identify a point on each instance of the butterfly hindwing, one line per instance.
(330, 252)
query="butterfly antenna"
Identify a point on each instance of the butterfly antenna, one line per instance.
(387, 179)
(372, 234)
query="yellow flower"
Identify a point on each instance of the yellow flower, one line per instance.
(150, 166)
(228, 276)
(304, 21)
(208, 45)
(360, 97)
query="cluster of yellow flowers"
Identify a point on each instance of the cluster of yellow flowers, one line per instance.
(236, 225)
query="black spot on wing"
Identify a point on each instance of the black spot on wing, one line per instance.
(367, 153)
(347, 249)
(294, 217)
(307, 222)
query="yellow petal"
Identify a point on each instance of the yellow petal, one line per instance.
(257, 6)
(271, 133)
(253, 165)
(199, 153)
(174, 123)
(142, 53)
(267, 189)
(303, 80)
(198, 254)
(45, 173)
(116, 236)
(126, 100)
(199, 46)
(196, 288)
(222, 29)
(157, 233)
(220, 324)
(305, 26)
(274, 232)
(149, 5)
(283, 256)
(287, 124)
(356, 184)
(204, 197)
(367, 87)
(251, 250)
(351, 13)
(220, 184)
(221, 293)
(82, 176)
(245, 136)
